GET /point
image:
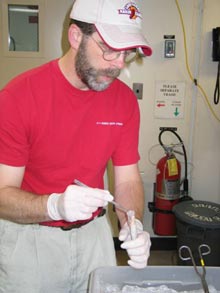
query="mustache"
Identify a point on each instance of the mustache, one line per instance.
(112, 73)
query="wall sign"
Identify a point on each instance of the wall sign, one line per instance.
(169, 99)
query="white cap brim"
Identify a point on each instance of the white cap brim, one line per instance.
(123, 37)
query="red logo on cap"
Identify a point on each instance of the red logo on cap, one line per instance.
(130, 9)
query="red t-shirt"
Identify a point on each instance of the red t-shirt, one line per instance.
(60, 133)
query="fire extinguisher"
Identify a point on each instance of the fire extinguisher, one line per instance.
(167, 191)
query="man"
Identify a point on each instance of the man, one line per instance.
(60, 122)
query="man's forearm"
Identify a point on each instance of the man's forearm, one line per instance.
(130, 195)
(23, 207)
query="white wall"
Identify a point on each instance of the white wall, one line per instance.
(198, 128)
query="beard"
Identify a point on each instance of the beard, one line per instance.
(91, 76)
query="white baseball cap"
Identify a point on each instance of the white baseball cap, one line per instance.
(117, 21)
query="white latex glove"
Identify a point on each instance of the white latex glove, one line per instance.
(138, 249)
(76, 203)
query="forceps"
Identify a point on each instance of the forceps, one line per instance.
(120, 207)
(203, 249)
(130, 214)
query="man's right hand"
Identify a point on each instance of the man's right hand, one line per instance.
(76, 203)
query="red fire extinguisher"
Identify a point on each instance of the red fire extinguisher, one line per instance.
(167, 194)
(167, 191)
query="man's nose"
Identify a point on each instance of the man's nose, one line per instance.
(120, 61)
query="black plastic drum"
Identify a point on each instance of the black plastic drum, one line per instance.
(198, 222)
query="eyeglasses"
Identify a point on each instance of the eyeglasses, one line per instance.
(110, 55)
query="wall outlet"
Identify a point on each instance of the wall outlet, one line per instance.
(138, 90)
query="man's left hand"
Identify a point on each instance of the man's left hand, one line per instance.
(138, 249)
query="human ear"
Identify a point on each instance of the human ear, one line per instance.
(75, 36)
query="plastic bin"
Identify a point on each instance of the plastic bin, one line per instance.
(198, 222)
(179, 278)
